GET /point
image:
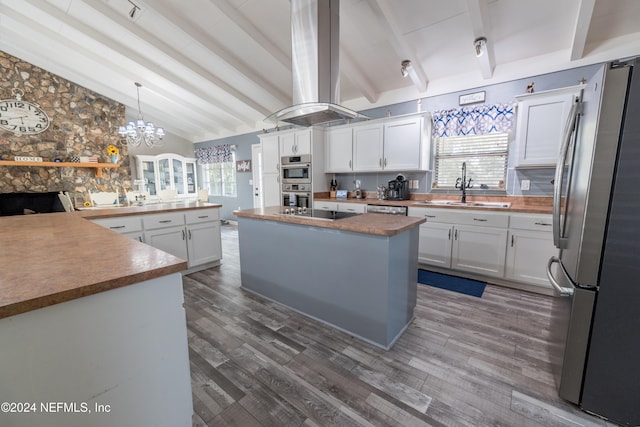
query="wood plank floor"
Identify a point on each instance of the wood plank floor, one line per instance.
(464, 361)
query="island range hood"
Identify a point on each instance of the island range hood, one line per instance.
(315, 38)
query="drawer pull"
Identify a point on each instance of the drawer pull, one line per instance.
(480, 219)
(115, 227)
(546, 224)
(165, 221)
(203, 216)
(429, 216)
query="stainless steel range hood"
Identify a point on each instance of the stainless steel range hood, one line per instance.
(315, 38)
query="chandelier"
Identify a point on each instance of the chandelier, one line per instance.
(133, 134)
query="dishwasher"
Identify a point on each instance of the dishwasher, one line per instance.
(387, 209)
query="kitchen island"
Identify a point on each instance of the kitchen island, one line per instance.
(357, 274)
(92, 327)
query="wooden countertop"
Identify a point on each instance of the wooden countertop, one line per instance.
(520, 204)
(109, 212)
(52, 258)
(378, 224)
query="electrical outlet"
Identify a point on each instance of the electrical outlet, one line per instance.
(525, 184)
(415, 184)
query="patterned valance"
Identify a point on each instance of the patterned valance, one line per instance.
(215, 154)
(476, 120)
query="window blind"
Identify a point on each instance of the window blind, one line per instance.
(485, 157)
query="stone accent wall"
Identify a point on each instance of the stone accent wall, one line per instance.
(83, 123)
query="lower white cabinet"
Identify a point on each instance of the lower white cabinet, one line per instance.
(471, 241)
(515, 246)
(192, 235)
(479, 250)
(340, 206)
(530, 245)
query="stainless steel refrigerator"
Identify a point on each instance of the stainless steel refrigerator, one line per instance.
(596, 316)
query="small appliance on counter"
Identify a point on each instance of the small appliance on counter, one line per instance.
(398, 189)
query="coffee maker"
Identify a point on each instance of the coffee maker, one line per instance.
(398, 189)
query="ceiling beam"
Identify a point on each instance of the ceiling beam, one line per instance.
(217, 49)
(581, 29)
(252, 31)
(383, 9)
(360, 80)
(481, 27)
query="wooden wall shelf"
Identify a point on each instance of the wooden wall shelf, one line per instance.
(97, 166)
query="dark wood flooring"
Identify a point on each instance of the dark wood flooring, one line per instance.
(464, 361)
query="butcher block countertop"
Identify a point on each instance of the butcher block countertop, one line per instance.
(378, 224)
(520, 204)
(52, 258)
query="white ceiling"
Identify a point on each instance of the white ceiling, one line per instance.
(214, 68)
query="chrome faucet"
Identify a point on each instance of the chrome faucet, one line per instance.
(463, 184)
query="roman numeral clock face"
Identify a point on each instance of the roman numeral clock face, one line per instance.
(22, 118)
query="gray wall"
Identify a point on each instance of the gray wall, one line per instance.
(499, 93)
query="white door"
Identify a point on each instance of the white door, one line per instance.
(256, 172)
(434, 245)
(480, 250)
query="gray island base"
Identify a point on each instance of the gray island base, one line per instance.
(363, 284)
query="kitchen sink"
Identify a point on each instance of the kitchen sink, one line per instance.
(503, 205)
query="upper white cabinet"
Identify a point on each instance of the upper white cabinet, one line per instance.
(295, 144)
(541, 121)
(368, 147)
(339, 149)
(168, 172)
(397, 144)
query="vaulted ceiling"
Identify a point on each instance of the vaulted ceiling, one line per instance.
(214, 68)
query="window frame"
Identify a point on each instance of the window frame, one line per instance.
(207, 169)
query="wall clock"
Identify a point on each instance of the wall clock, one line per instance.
(21, 117)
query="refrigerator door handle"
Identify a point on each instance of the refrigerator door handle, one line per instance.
(564, 292)
(559, 240)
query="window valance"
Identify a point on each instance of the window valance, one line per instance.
(216, 154)
(476, 120)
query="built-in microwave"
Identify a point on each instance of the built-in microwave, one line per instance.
(296, 169)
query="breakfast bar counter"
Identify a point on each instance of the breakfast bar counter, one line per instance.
(357, 274)
(93, 320)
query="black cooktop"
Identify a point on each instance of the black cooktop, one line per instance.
(318, 213)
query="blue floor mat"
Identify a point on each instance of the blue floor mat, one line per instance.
(451, 283)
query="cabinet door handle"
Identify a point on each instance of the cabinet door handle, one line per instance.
(140, 238)
(115, 227)
(449, 238)
(546, 224)
(277, 166)
(189, 234)
(385, 162)
(380, 162)
(349, 164)
(165, 221)
(455, 235)
(512, 240)
(183, 235)
(480, 219)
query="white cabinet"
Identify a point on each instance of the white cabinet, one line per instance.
(295, 144)
(130, 226)
(165, 231)
(203, 236)
(327, 206)
(193, 235)
(368, 146)
(351, 207)
(530, 245)
(403, 147)
(471, 241)
(339, 149)
(168, 172)
(397, 144)
(479, 250)
(541, 119)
